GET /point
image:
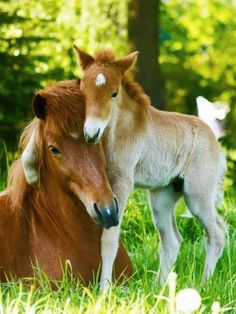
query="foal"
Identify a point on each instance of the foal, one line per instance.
(48, 222)
(171, 154)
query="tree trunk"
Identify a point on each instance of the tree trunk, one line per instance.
(143, 33)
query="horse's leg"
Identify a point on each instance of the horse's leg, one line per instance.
(163, 203)
(110, 238)
(200, 199)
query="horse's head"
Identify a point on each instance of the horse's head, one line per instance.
(101, 86)
(57, 144)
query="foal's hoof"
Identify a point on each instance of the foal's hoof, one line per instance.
(105, 286)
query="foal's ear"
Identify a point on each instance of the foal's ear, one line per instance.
(125, 63)
(39, 106)
(84, 58)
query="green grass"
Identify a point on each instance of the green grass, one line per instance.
(141, 294)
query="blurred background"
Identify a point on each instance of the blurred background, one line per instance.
(187, 49)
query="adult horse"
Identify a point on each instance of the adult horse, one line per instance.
(48, 223)
(171, 154)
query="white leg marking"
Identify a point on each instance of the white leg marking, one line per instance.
(109, 248)
(163, 204)
(121, 186)
(28, 161)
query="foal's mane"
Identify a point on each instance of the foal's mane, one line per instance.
(64, 110)
(134, 89)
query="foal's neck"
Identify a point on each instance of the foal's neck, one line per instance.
(130, 117)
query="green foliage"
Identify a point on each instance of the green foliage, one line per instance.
(198, 53)
(4, 165)
(36, 40)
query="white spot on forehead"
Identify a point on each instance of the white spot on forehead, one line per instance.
(100, 79)
(74, 135)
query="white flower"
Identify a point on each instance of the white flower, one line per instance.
(187, 300)
(215, 308)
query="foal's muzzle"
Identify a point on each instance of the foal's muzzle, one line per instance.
(91, 137)
(107, 215)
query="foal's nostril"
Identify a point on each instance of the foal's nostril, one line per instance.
(91, 137)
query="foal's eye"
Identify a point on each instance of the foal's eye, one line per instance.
(55, 151)
(114, 95)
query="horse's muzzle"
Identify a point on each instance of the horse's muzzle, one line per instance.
(107, 215)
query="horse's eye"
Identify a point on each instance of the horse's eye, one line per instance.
(55, 151)
(114, 95)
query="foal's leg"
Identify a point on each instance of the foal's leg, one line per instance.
(110, 238)
(109, 248)
(200, 201)
(163, 204)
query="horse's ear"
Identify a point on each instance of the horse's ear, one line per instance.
(39, 106)
(84, 58)
(125, 63)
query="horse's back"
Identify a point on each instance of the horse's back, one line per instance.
(204, 161)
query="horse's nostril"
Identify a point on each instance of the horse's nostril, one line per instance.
(97, 211)
(107, 216)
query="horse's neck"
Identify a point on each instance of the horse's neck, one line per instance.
(59, 210)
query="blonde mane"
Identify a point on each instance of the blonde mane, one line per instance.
(135, 91)
(17, 187)
(104, 57)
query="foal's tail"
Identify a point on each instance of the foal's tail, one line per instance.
(220, 187)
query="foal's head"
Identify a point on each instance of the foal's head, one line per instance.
(101, 86)
(78, 168)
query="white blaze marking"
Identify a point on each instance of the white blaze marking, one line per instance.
(28, 161)
(74, 135)
(93, 125)
(100, 79)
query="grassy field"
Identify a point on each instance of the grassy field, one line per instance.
(141, 294)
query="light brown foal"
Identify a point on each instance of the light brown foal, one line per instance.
(169, 153)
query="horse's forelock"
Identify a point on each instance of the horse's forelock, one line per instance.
(65, 107)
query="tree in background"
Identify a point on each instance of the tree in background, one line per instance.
(143, 35)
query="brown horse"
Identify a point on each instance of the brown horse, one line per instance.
(48, 222)
(169, 153)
